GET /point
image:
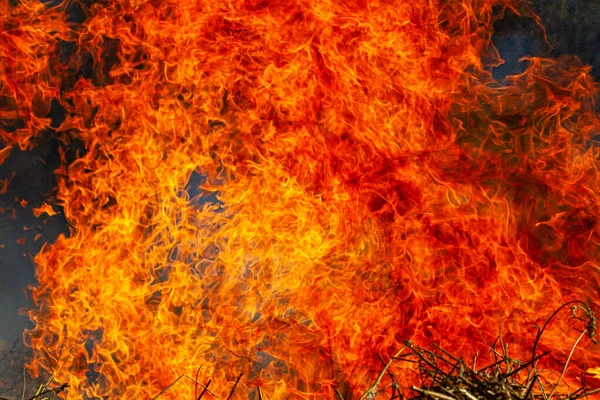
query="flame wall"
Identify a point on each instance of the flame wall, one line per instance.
(283, 190)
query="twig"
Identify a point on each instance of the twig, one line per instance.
(530, 388)
(394, 383)
(591, 328)
(388, 371)
(567, 363)
(196, 384)
(433, 394)
(24, 379)
(469, 395)
(204, 390)
(372, 391)
(586, 394)
(234, 386)
(541, 384)
(56, 390)
(176, 380)
(44, 388)
(167, 388)
(522, 367)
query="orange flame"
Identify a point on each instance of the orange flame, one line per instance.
(284, 190)
(4, 153)
(44, 209)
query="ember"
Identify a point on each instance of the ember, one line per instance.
(275, 196)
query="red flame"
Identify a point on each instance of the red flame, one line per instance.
(284, 190)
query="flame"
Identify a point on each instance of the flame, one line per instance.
(4, 153)
(594, 371)
(44, 209)
(276, 192)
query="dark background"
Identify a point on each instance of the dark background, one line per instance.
(572, 28)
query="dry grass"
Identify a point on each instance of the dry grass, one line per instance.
(443, 376)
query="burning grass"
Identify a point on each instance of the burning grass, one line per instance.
(279, 190)
(442, 375)
(447, 377)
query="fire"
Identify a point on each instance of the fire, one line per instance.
(44, 209)
(273, 193)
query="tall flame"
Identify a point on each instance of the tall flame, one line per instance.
(283, 190)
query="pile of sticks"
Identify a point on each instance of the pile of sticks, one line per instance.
(444, 376)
